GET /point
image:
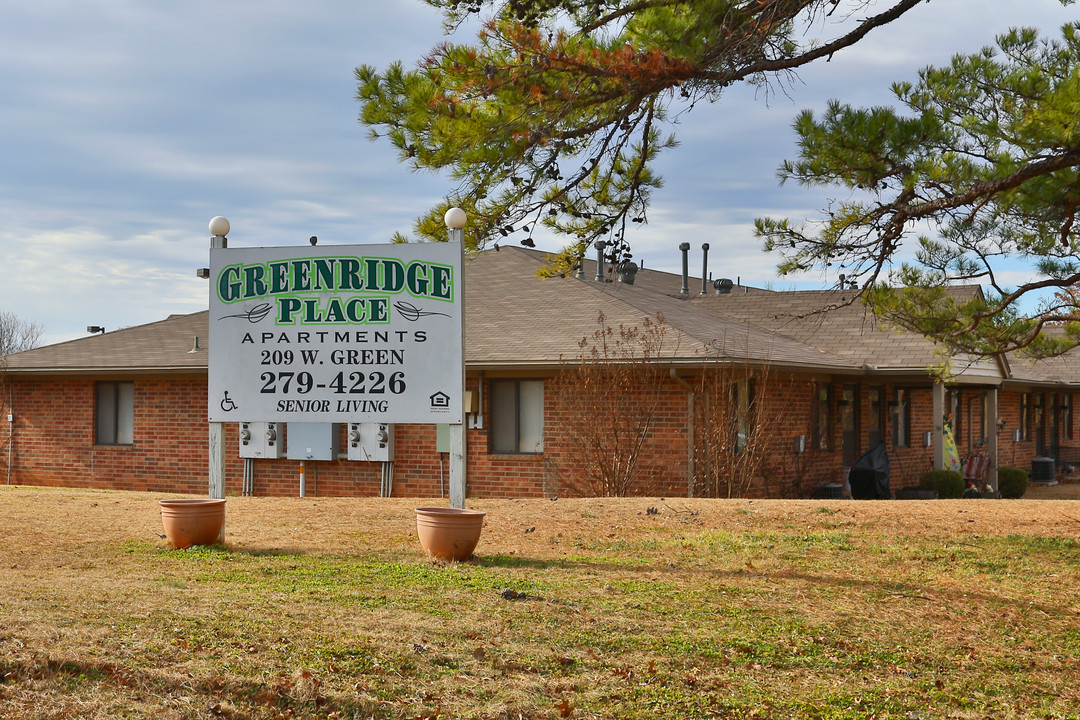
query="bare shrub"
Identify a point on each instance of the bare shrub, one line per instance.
(607, 400)
(730, 441)
(17, 334)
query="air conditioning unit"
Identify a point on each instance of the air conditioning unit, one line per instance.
(371, 442)
(261, 440)
(1042, 470)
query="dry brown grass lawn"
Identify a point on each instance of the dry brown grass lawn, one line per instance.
(647, 607)
(62, 521)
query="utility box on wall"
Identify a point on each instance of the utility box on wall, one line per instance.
(313, 441)
(371, 442)
(261, 440)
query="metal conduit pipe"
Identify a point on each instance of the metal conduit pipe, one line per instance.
(386, 487)
(704, 268)
(685, 247)
(11, 428)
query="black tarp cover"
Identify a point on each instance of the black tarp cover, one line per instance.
(869, 476)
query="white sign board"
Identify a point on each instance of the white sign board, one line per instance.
(346, 333)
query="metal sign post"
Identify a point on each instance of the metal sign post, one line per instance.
(219, 228)
(455, 219)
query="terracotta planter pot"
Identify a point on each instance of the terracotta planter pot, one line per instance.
(449, 533)
(192, 521)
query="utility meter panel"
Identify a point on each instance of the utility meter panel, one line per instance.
(261, 440)
(313, 441)
(371, 442)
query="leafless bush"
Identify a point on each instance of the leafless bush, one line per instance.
(734, 429)
(607, 400)
(17, 334)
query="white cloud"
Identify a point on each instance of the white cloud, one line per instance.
(127, 125)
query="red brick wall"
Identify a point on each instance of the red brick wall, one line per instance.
(53, 439)
(53, 445)
(662, 461)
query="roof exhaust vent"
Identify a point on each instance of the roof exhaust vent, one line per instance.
(704, 268)
(195, 348)
(627, 272)
(685, 247)
(580, 272)
(723, 286)
(600, 245)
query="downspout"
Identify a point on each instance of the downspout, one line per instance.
(992, 436)
(938, 404)
(689, 431)
(11, 428)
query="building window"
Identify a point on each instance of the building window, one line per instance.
(517, 416)
(742, 399)
(114, 413)
(821, 417)
(901, 407)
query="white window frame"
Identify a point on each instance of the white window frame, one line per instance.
(517, 416)
(114, 413)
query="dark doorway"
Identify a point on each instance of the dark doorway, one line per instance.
(876, 419)
(849, 422)
(1054, 422)
(1040, 425)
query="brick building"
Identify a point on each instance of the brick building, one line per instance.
(757, 372)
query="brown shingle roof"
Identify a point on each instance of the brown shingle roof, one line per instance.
(1065, 368)
(828, 319)
(514, 318)
(160, 346)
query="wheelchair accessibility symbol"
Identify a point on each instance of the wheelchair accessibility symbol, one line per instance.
(227, 404)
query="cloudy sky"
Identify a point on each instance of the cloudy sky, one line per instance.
(126, 125)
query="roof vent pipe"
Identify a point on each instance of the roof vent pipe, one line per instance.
(704, 268)
(600, 245)
(685, 247)
(580, 272)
